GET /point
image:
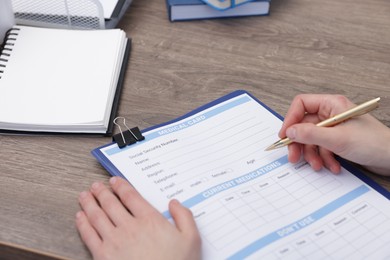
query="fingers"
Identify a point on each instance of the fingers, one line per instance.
(300, 105)
(329, 138)
(319, 142)
(183, 217)
(110, 204)
(294, 152)
(95, 215)
(184, 220)
(310, 154)
(330, 161)
(133, 201)
(87, 232)
(320, 107)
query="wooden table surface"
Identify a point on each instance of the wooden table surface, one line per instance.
(303, 46)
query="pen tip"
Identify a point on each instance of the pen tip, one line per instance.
(273, 146)
(279, 144)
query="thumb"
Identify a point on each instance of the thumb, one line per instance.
(183, 218)
(307, 133)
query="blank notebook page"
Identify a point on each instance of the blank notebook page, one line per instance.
(60, 77)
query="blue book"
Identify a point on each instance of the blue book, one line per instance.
(181, 10)
(225, 4)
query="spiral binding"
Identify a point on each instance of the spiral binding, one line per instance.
(6, 48)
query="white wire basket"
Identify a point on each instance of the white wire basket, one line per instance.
(69, 14)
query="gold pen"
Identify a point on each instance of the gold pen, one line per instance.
(354, 112)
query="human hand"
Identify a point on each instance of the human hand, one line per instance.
(130, 228)
(363, 140)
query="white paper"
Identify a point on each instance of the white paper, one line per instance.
(61, 80)
(249, 203)
(108, 7)
(6, 18)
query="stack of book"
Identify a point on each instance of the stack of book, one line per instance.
(181, 10)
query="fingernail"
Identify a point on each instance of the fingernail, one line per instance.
(310, 163)
(113, 180)
(83, 194)
(95, 185)
(334, 169)
(315, 166)
(79, 214)
(175, 202)
(291, 132)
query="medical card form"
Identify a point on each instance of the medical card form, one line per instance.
(249, 203)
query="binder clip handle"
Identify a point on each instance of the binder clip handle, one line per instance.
(128, 136)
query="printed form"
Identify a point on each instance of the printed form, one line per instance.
(249, 203)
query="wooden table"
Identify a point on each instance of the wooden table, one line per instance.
(304, 46)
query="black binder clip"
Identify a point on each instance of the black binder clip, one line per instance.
(127, 137)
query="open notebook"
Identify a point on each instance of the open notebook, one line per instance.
(62, 81)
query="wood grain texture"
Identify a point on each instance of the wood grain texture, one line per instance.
(304, 46)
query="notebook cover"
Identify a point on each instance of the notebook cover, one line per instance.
(119, 87)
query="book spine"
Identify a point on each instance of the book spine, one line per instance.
(6, 48)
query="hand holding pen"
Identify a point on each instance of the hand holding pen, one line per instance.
(354, 136)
